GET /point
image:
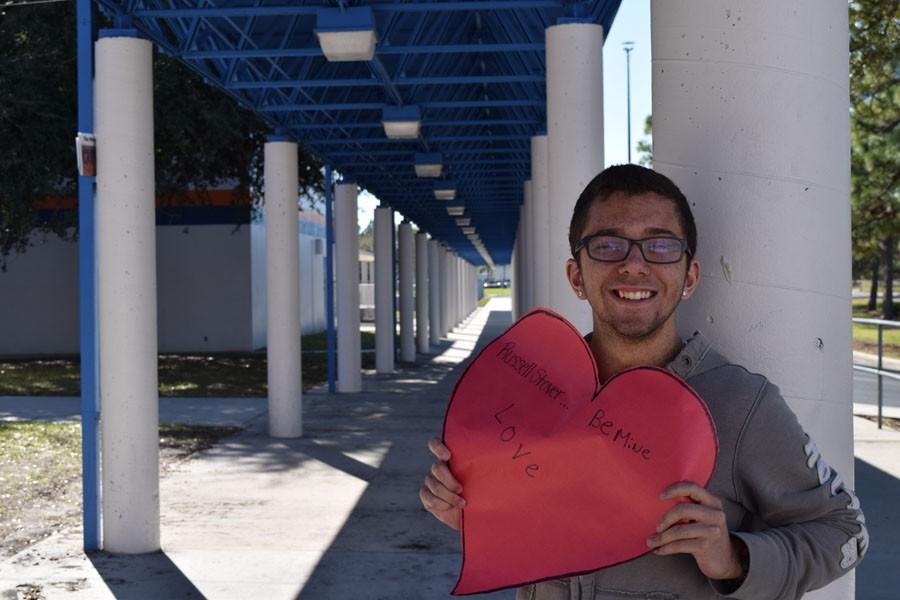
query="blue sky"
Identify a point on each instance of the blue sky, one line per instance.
(632, 23)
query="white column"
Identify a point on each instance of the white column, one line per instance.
(405, 247)
(574, 148)
(517, 282)
(529, 251)
(755, 133)
(422, 315)
(546, 271)
(384, 290)
(444, 264)
(434, 292)
(283, 291)
(346, 287)
(473, 288)
(463, 291)
(467, 273)
(528, 245)
(454, 289)
(126, 262)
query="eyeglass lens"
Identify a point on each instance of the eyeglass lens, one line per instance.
(656, 250)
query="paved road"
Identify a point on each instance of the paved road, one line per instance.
(865, 389)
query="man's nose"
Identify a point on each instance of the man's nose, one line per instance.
(634, 261)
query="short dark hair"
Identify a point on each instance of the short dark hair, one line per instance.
(630, 180)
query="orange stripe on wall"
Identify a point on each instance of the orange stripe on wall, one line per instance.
(194, 198)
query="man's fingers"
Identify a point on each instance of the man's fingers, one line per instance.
(697, 493)
(690, 512)
(691, 531)
(438, 448)
(438, 489)
(443, 512)
(431, 502)
(442, 473)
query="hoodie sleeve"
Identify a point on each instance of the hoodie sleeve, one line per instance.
(815, 531)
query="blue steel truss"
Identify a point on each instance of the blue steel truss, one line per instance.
(476, 70)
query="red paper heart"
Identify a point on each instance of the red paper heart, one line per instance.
(561, 477)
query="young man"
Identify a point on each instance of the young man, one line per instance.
(775, 520)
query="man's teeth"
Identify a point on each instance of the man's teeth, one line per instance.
(634, 295)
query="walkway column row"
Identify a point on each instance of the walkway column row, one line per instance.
(384, 291)
(126, 263)
(755, 133)
(423, 317)
(283, 289)
(405, 246)
(435, 292)
(346, 279)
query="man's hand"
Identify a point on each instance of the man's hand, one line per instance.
(700, 530)
(441, 493)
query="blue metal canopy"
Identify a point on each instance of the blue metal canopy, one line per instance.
(474, 70)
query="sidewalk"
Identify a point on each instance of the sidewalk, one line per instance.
(336, 515)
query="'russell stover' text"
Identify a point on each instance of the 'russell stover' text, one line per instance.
(530, 371)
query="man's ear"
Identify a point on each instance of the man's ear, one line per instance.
(691, 278)
(573, 273)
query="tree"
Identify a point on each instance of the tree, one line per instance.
(645, 146)
(875, 135)
(367, 237)
(37, 118)
(202, 137)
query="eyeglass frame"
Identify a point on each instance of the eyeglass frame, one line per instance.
(632, 242)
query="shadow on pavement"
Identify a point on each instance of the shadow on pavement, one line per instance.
(389, 547)
(878, 578)
(143, 577)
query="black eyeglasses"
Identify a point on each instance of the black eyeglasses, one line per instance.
(614, 248)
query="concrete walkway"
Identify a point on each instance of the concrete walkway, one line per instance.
(336, 514)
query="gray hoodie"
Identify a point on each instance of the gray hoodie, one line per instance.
(802, 526)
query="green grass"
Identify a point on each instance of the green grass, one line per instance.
(865, 337)
(180, 375)
(493, 293)
(497, 292)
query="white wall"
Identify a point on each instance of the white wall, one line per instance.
(39, 299)
(203, 293)
(211, 291)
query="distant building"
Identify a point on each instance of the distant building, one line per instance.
(211, 278)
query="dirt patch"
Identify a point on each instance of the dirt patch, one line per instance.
(888, 350)
(40, 474)
(888, 422)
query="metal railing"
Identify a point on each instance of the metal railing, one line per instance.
(880, 371)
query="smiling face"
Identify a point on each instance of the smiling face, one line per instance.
(633, 299)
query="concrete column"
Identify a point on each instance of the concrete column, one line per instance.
(405, 258)
(443, 264)
(454, 291)
(283, 290)
(518, 304)
(126, 263)
(422, 314)
(754, 130)
(527, 246)
(463, 291)
(546, 273)
(346, 287)
(434, 292)
(384, 290)
(473, 288)
(574, 148)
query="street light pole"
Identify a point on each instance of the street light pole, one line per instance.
(628, 47)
